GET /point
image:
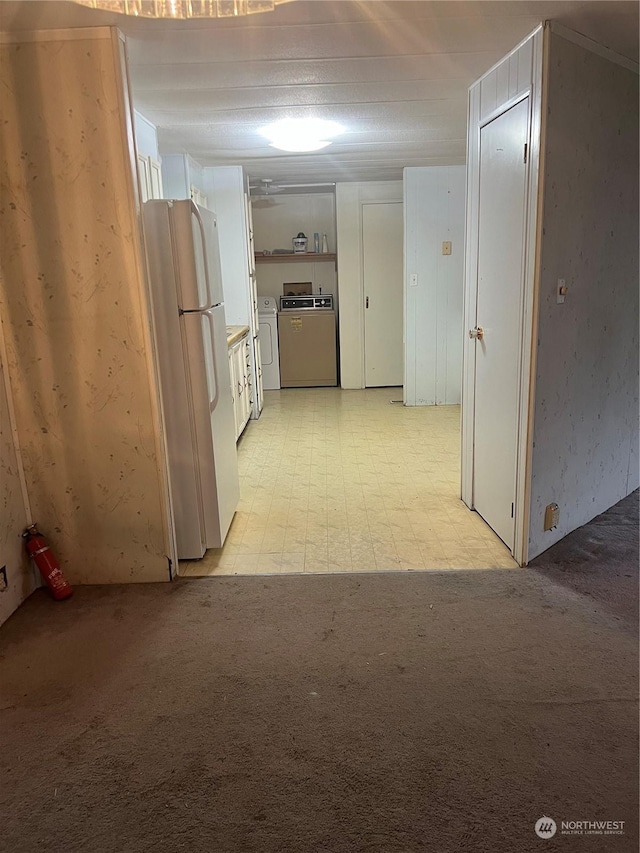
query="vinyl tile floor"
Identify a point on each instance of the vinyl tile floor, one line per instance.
(351, 481)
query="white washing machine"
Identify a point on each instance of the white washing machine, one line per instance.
(268, 323)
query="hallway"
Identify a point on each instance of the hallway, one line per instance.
(346, 481)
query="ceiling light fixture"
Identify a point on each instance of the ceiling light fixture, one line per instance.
(299, 144)
(301, 134)
(182, 9)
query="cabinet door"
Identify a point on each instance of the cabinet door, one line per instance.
(198, 196)
(234, 387)
(239, 377)
(258, 393)
(243, 386)
(254, 304)
(249, 226)
(250, 376)
(247, 380)
(144, 173)
(155, 176)
(239, 385)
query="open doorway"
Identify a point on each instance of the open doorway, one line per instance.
(376, 486)
(348, 479)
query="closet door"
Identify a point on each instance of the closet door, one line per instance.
(498, 319)
(383, 248)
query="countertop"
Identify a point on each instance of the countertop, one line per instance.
(235, 334)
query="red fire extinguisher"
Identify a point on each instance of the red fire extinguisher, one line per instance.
(47, 564)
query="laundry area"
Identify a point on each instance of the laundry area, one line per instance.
(298, 273)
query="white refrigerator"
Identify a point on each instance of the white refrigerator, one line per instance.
(190, 328)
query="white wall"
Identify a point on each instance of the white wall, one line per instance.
(179, 173)
(585, 440)
(349, 200)
(434, 202)
(175, 177)
(279, 218)
(146, 136)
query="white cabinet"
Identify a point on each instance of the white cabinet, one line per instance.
(198, 196)
(155, 171)
(150, 176)
(241, 385)
(227, 192)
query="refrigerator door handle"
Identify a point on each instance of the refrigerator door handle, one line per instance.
(196, 213)
(216, 397)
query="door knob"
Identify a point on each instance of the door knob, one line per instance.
(477, 333)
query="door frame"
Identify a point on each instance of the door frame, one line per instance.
(514, 78)
(362, 202)
(350, 196)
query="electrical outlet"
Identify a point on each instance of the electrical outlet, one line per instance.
(561, 291)
(3, 579)
(446, 247)
(551, 516)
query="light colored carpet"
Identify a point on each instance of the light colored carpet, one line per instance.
(382, 713)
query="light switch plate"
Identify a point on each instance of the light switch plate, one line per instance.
(413, 279)
(561, 291)
(446, 247)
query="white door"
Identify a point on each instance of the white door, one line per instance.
(383, 248)
(499, 307)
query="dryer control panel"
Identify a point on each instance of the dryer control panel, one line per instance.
(300, 303)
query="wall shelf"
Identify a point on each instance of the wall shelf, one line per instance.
(298, 257)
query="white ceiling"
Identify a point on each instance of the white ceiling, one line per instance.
(395, 74)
